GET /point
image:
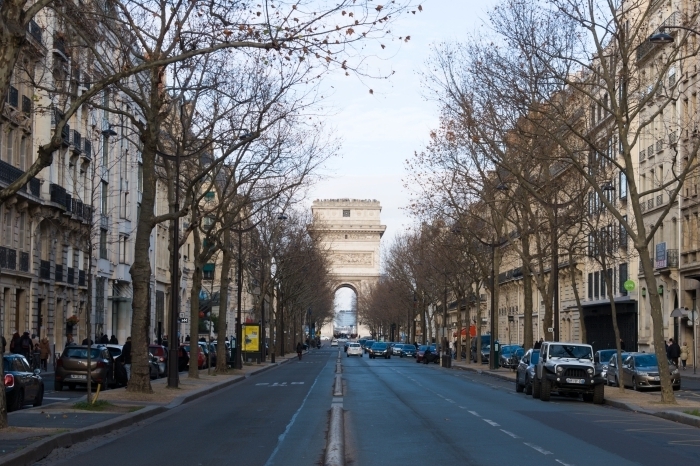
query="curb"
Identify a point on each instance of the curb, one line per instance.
(335, 451)
(37, 451)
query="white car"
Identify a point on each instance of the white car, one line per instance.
(324, 338)
(354, 349)
(334, 342)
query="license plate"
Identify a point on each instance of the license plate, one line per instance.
(656, 379)
(581, 381)
(81, 377)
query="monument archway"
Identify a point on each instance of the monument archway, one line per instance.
(350, 230)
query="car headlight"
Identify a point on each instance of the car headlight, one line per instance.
(675, 371)
(644, 374)
(559, 369)
(590, 371)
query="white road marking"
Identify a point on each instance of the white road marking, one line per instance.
(565, 464)
(56, 399)
(447, 399)
(463, 407)
(263, 383)
(509, 433)
(538, 448)
(495, 424)
(297, 383)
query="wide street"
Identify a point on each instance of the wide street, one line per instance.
(396, 412)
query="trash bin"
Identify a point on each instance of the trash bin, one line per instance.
(446, 360)
(496, 355)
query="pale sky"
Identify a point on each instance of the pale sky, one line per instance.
(380, 131)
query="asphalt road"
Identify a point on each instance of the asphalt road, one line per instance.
(278, 417)
(400, 412)
(396, 412)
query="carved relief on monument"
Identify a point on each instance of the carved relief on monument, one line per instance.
(352, 258)
(350, 236)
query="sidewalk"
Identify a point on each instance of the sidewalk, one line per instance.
(36, 432)
(643, 402)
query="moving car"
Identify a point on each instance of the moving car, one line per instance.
(334, 342)
(354, 349)
(396, 349)
(22, 385)
(426, 354)
(525, 371)
(367, 345)
(72, 368)
(379, 349)
(640, 371)
(408, 350)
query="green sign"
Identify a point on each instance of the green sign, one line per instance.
(629, 285)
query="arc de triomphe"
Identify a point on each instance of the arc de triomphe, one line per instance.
(350, 230)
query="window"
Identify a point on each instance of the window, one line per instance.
(9, 146)
(623, 233)
(140, 177)
(23, 154)
(596, 284)
(7, 239)
(22, 227)
(105, 197)
(623, 185)
(123, 245)
(125, 204)
(623, 278)
(103, 244)
(208, 271)
(590, 286)
(602, 285)
(346, 213)
(208, 222)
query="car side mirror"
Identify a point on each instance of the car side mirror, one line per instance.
(37, 371)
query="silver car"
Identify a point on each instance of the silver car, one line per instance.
(640, 371)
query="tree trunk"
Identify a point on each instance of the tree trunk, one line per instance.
(458, 343)
(193, 371)
(221, 365)
(574, 286)
(527, 297)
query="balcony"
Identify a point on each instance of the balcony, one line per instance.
(642, 154)
(650, 204)
(8, 258)
(35, 31)
(87, 213)
(71, 275)
(672, 138)
(659, 145)
(58, 194)
(88, 149)
(65, 134)
(77, 141)
(24, 261)
(8, 175)
(58, 274)
(59, 47)
(659, 200)
(81, 278)
(45, 270)
(650, 151)
(26, 105)
(68, 203)
(76, 207)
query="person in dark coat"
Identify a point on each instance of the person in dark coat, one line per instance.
(113, 340)
(14, 343)
(300, 348)
(538, 344)
(674, 351)
(26, 346)
(88, 342)
(105, 339)
(126, 354)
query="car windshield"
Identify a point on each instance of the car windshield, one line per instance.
(605, 355)
(354, 345)
(534, 357)
(646, 360)
(508, 349)
(570, 351)
(379, 346)
(80, 353)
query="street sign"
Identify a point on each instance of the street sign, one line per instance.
(629, 285)
(184, 320)
(550, 329)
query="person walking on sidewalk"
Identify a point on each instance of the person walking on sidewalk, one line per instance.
(674, 351)
(44, 353)
(299, 350)
(685, 354)
(126, 353)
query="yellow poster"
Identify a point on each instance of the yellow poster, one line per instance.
(251, 338)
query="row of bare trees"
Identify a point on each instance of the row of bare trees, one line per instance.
(219, 97)
(541, 161)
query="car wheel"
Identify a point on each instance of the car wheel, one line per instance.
(348, 355)
(634, 385)
(545, 389)
(401, 355)
(518, 388)
(39, 398)
(599, 394)
(360, 354)
(58, 386)
(617, 382)
(17, 401)
(535, 387)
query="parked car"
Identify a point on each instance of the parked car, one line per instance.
(214, 346)
(22, 385)
(408, 350)
(367, 345)
(485, 342)
(601, 358)
(485, 354)
(640, 371)
(71, 367)
(426, 354)
(201, 361)
(509, 356)
(161, 354)
(396, 349)
(204, 349)
(379, 349)
(525, 371)
(354, 349)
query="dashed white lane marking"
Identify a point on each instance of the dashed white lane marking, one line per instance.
(538, 448)
(297, 383)
(474, 413)
(495, 424)
(448, 400)
(463, 407)
(563, 463)
(509, 433)
(56, 399)
(263, 383)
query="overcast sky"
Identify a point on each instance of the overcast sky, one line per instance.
(380, 131)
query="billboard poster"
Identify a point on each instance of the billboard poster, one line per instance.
(251, 338)
(661, 256)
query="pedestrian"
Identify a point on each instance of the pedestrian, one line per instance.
(26, 346)
(668, 351)
(685, 353)
(187, 338)
(105, 339)
(44, 353)
(69, 340)
(113, 340)
(14, 343)
(299, 350)
(538, 344)
(622, 344)
(126, 353)
(36, 357)
(35, 339)
(88, 342)
(674, 351)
